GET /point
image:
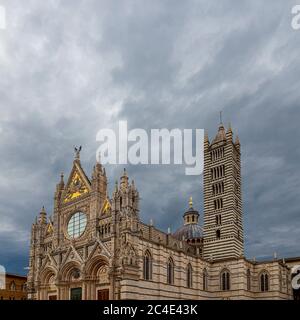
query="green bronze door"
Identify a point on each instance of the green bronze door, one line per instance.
(76, 294)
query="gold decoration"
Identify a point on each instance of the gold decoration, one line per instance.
(106, 207)
(76, 188)
(191, 202)
(49, 228)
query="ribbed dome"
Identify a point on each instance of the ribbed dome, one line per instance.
(191, 229)
(188, 232)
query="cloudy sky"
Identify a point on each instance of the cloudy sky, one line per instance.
(69, 68)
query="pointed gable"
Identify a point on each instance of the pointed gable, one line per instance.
(78, 183)
(49, 229)
(106, 208)
(221, 135)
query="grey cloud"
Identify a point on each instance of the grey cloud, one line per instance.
(69, 68)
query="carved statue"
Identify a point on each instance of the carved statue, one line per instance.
(77, 151)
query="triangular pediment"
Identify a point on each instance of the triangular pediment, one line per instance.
(72, 255)
(99, 248)
(77, 185)
(49, 261)
(46, 262)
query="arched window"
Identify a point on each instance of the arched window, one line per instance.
(248, 280)
(147, 266)
(218, 219)
(170, 271)
(225, 280)
(264, 282)
(189, 276)
(205, 280)
(218, 234)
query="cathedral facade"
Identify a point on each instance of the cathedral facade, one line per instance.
(95, 247)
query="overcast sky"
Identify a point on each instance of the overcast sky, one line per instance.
(69, 68)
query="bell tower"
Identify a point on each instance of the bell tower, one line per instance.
(223, 220)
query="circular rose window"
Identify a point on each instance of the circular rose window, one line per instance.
(77, 225)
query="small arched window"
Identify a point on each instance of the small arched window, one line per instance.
(248, 280)
(170, 271)
(205, 280)
(147, 266)
(225, 280)
(264, 282)
(189, 276)
(218, 234)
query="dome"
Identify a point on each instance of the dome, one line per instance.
(191, 229)
(188, 232)
(191, 211)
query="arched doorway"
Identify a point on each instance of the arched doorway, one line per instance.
(71, 282)
(48, 289)
(97, 277)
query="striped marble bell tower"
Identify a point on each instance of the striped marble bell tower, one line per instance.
(223, 219)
